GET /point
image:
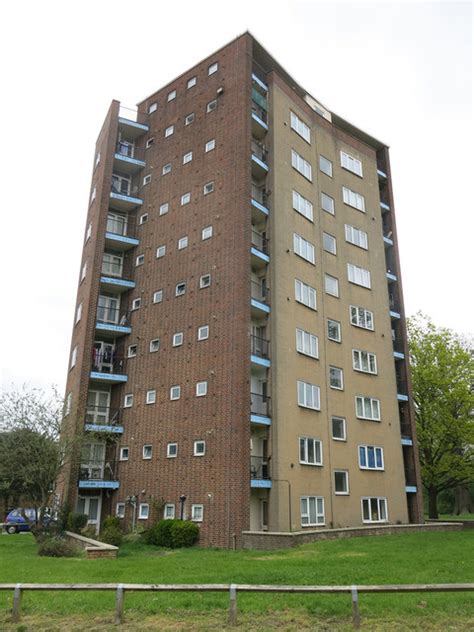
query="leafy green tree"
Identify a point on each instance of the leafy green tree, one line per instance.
(442, 369)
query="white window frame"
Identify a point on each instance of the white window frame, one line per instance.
(354, 199)
(361, 317)
(305, 511)
(83, 272)
(339, 329)
(344, 427)
(147, 451)
(149, 142)
(303, 248)
(166, 169)
(164, 208)
(172, 450)
(356, 236)
(197, 513)
(371, 403)
(329, 243)
(93, 194)
(346, 483)
(152, 107)
(301, 165)
(175, 392)
(160, 251)
(358, 276)
(139, 260)
(189, 118)
(380, 501)
(364, 361)
(171, 96)
(178, 339)
(120, 510)
(307, 343)
(201, 388)
(154, 345)
(331, 285)
(185, 198)
(132, 351)
(180, 289)
(304, 444)
(151, 397)
(204, 281)
(210, 145)
(136, 304)
(143, 511)
(211, 106)
(124, 454)
(203, 332)
(78, 313)
(88, 233)
(214, 67)
(302, 206)
(206, 233)
(308, 395)
(327, 203)
(377, 452)
(128, 400)
(336, 371)
(325, 165)
(146, 180)
(190, 83)
(183, 242)
(73, 361)
(351, 164)
(158, 296)
(187, 157)
(68, 404)
(197, 444)
(169, 131)
(169, 511)
(208, 188)
(305, 294)
(300, 127)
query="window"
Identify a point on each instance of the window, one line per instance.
(88, 233)
(128, 400)
(73, 357)
(169, 131)
(172, 450)
(206, 233)
(185, 199)
(325, 166)
(143, 511)
(140, 260)
(158, 296)
(338, 425)
(160, 252)
(151, 397)
(361, 317)
(353, 199)
(168, 511)
(180, 289)
(175, 392)
(370, 457)
(146, 179)
(213, 68)
(191, 82)
(166, 169)
(308, 395)
(154, 345)
(212, 105)
(171, 95)
(210, 145)
(197, 513)
(189, 119)
(329, 243)
(120, 510)
(301, 165)
(152, 108)
(201, 389)
(178, 339)
(78, 313)
(327, 203)
(312, 511)
(359, 276)
(208, 188)
(203, 332)
(136, 303)
(331, 285)
(351, 164)
(150, 142)
(341, 482)
(357, 237)
(97, 158)
(364, 361)
(84, 271)
(374, 509)
(336, 378)
(124, 453)
(305, 294)
(302, 205)
(367, 408)
(183, 243)
(132, 351)
(68, 404)
(147, 451)
(300, 127)
(205, 281)
(199, 448)
(164, 208)
(334, 330)
(310, 451)
(187, 157)
(303, 248)
(306, 343)
(143, 218)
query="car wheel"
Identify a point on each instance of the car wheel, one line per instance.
(11, 529)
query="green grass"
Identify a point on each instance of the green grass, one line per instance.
(466, 516)
(415, 558)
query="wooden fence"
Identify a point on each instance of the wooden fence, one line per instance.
(232, 590)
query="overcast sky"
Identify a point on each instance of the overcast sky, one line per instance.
(400, 71)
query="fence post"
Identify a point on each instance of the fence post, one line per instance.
(16, 604)
(355, 607)
(119, 604)
(233, 605)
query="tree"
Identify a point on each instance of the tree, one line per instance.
(442, 368)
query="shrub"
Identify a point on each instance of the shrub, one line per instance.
(159, 534)
(183, 533)
(112, 535)
(112, 521)
(76, 522)
(57, 547)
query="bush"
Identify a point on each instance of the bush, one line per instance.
(112, 521)
(111, 535)
(57, 547)
(172, 534)
(159, 534)
(76, 522)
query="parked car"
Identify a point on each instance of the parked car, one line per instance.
(21, 519)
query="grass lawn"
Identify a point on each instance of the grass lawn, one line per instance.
(414, 558)
(466, 516)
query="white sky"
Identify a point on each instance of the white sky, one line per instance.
(400, 71)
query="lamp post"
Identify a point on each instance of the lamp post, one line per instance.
(132, 501)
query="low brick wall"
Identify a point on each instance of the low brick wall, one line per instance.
(266, 540)
(93, 548)
(467, 524)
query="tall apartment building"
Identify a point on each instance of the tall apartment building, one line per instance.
(239, 350)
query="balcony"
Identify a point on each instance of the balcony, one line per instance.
(258, 201)
(260, 409)
(129, 128)
(98, 475)
(402, 397)
(111, 323)
(385, 207)
(259, 299)
(128, 158)
(123, 195)
(116, 284)
(387, 240)
(259, 84)
(107, 368)
(259, 250)
(382, 176)
(103, 419)
(259, 121)
(259, 161)
(260, 472)
(259, 351)
(119, 231)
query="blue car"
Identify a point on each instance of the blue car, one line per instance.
(16, 521)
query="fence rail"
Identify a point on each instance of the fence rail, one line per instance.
(232, 589)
